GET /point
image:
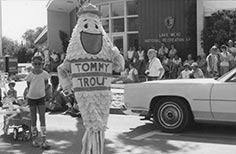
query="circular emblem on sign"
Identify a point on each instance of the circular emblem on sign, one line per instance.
(170, 22)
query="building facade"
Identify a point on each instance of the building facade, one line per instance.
(134, 23)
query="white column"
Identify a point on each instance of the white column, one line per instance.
(200, 25)
(0, 28)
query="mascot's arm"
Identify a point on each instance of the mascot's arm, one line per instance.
(64, 75)
(117, 60)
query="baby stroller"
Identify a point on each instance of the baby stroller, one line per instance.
(17, 118)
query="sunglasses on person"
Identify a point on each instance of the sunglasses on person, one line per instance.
(37, 64)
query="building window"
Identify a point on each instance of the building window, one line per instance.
(117, 25)
(132, 7)
(105, 24)
(133, 40)
(117, 9)
(105, 10)
(132, 24)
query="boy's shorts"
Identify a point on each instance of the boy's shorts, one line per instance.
(36, 102)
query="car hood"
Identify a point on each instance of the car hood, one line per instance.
(205, 80)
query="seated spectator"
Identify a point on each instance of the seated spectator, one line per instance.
(189, 59)
(176, 65)
(123, 75)
(12, 92)
(185, 74)
(196, 71)
(132, 76)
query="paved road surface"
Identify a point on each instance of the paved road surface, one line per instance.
(128, 135)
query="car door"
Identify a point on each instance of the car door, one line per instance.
(223, 100)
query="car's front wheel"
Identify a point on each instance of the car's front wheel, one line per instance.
(172, 115)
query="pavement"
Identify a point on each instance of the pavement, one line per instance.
(126, 134)
(64, 132)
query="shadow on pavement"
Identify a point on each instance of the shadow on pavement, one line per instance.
(62, 141)
(171, 143)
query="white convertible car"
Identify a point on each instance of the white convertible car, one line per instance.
(174, 104)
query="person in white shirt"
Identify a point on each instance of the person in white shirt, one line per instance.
(155, 69)
(185, 74)
(141, 61)
(196, 71)
(130, 54)
(212, 61)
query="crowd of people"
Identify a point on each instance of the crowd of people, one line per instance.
(51, 58)
(165, 63)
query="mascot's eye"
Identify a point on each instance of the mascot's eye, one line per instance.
(86, 26)
(96, 26)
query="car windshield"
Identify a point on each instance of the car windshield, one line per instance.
(226, 74)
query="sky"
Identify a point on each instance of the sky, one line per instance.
(20, 15)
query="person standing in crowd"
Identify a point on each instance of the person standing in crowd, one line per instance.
(166, 65)
(155, 70)
(196, 71)
(231, 48)
(46, 54)
(202, 64)
(224, 60)
(130, 54)
(189, 59)
(185, 74)
(37, 52)
(163, 50)
(172, 51)
(37, 81)
(212, 61)
(141, 61)
(55, 61)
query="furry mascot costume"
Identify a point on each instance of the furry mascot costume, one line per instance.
(87, 69)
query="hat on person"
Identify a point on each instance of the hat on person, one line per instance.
(89, 8)
(194, 65)
(151, 51)
(186, 65)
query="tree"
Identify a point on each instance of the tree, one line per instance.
(83, 2)
(219, 28)
(31, 34)
(9, 46)
(64, 39)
